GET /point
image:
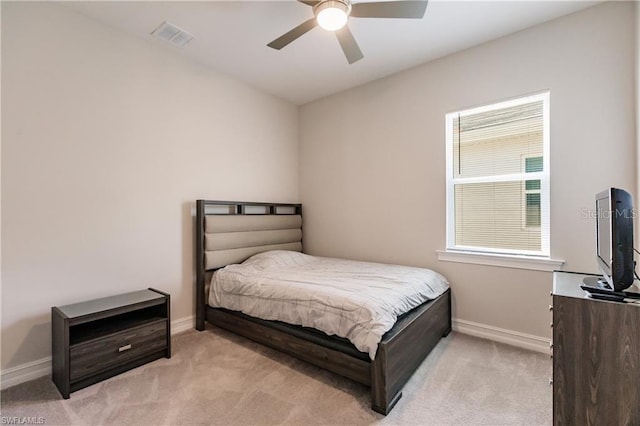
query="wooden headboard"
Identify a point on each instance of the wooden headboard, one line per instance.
(229, 232)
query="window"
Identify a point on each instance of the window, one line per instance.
(498, 178)
(532, 193)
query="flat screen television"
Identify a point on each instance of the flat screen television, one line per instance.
(614, 238)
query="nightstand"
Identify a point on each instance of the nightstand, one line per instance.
(98, 339)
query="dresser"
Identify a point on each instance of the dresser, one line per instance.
(596, 357)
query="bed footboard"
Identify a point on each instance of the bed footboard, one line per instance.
(403, 349)
(304, 348)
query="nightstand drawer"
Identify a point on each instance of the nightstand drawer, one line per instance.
(103, 353)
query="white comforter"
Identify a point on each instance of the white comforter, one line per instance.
(359, 301)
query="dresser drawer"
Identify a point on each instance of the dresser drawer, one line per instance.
(101, 354)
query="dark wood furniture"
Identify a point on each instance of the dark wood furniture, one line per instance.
(97, 339)
(401, 351)
(596, 357)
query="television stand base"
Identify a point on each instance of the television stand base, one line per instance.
(598, 288)
(610, 296)
(596, 282)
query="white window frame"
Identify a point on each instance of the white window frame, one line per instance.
(543, 176)
(526, 191)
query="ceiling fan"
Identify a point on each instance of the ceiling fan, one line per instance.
(332, 15)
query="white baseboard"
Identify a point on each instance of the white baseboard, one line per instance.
(25, 372)
(183, 324)
(42, 367)
(509, 337)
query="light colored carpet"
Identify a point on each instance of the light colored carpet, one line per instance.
(215, 377)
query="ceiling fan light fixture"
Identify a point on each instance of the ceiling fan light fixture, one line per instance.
(332, 14)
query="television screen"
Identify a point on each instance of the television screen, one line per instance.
(603, 230)
(614, 237)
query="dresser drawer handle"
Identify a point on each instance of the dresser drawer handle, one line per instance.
(124, 348)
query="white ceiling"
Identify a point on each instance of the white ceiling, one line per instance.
(232, 37)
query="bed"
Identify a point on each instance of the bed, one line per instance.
(227, 233)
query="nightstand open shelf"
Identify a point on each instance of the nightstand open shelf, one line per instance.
(97, 339)
(88, 331)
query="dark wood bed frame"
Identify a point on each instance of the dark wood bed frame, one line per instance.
(400, 353)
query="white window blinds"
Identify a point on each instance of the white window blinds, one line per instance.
(498, 177)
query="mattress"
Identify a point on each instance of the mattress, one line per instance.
(359, 301)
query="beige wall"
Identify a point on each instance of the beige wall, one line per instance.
(372, 159)
(637, 105)
(1, 16)
(107, 140)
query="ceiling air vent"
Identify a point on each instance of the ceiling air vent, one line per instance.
(174, 35)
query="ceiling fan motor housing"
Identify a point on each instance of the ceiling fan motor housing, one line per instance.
(343, 5)
(332, 14)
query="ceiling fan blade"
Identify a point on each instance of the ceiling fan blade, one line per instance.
(390, 9)
(309, 2)
(298, 31)
(349, 46)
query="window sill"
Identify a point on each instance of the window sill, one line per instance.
(502, 260)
